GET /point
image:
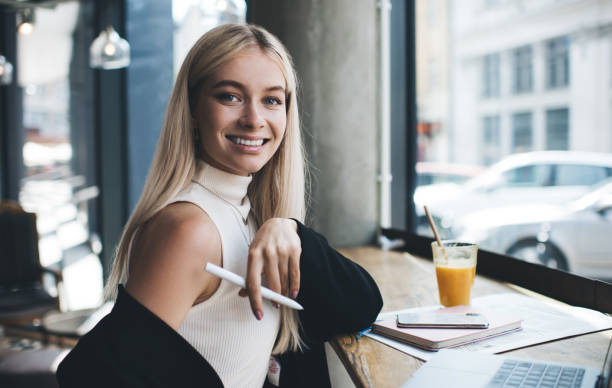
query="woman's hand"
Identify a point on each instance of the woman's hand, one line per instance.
(275, 252)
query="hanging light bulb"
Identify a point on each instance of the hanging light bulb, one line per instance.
(109, 51)
(6, 71)
(26, 21)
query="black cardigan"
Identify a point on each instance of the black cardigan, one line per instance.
(132, 347)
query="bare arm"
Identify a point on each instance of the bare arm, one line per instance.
(168, 259)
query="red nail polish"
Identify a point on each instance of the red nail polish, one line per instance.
(294, 294)
(258, 315)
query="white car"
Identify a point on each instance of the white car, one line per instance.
(552, 177)
(575, 237)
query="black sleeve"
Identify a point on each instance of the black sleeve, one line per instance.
(132, 347)
(338, 295)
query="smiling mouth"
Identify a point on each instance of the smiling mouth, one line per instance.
(247, 142)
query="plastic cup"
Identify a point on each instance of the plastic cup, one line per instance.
(455, 264)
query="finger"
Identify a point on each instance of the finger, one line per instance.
(283, 272)
(253, 282)
(294, 272)
(271, 270)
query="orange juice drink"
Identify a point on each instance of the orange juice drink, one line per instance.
(455, 264)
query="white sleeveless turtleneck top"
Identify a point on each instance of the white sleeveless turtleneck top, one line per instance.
(223, 328)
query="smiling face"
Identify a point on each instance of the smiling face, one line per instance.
(240, 113)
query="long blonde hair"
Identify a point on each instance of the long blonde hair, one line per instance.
(277, 190)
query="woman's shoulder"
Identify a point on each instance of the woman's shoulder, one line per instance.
(168, 259)
(182, 226)
(182, 213)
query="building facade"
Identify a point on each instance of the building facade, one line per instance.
(525, 76)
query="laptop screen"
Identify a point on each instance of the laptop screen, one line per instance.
(604, 379)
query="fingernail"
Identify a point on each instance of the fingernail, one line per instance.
(294, 294)
(276, 305)
(258, 315)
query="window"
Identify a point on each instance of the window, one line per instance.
(59, 182)
(557, 62)
(491, 139)
(557, 129)
(522, 138)
(513, 105)
(522, 70)
(194, 17)
(580, 175)
(490, 74)
(527, 176)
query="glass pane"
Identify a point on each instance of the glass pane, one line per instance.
(491, 75)
(522, 98)
(54, 186)
(522, 132)
(577, 175)
(194, 17)
(557, 62)
(491, 140)
(522, 69)
(527, 176)
(557, 129)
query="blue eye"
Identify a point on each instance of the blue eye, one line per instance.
(227, 97)
(273, 101)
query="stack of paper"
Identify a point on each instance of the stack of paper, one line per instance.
(542, 321)
(436, 338)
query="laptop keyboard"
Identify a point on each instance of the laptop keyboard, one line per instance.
(529, 374)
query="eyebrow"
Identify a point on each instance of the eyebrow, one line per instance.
(238, 85)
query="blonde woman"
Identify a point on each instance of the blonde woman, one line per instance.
(226, 187)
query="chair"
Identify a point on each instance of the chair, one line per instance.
(22, 296)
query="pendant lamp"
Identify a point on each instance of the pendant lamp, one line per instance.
(109, 51)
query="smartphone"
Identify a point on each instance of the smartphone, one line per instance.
(433, 319)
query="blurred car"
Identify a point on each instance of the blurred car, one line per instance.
(429, 173)
(574, 237)
(553, 177)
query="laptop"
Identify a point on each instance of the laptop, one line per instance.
(459, 369)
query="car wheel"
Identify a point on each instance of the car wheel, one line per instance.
(540, 253)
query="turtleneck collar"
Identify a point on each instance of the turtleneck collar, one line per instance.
(227, 186)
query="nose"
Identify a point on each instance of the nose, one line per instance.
(251, 116)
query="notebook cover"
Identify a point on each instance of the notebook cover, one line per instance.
(435, 339)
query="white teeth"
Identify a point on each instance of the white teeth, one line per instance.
(246, 142)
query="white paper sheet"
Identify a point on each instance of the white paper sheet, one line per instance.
(542, 321)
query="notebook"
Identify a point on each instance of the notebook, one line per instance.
(436, 339)
(464, 369)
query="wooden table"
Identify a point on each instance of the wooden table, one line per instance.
(408, 281)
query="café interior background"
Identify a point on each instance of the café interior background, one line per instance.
(493, 78)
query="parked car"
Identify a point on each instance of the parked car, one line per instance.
(553, 177)
(429, 173)
(575, 236)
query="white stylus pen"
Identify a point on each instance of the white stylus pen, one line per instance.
(239, 281)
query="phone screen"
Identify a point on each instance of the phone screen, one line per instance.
(442, 320)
